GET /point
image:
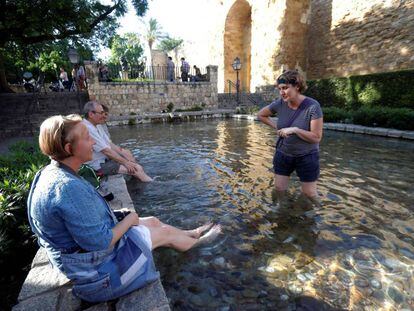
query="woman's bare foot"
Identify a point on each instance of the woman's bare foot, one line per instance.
(195, 233)
(209, 236)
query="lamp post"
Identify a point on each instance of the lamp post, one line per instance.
(73, 56)
(237, 66)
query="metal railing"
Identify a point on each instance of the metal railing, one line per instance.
(149, 73)
(242, 93)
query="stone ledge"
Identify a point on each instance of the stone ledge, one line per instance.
(174, 116)
(351, 128)
(46, 288)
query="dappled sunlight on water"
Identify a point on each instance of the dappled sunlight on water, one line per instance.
(355, 251)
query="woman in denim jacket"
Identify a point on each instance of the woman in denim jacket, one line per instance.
(104, 258)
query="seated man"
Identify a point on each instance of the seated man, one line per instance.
(109, 158)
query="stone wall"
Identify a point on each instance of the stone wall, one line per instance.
(322, 38)
(148, 97)
(360, 37)
(268, 92)
(21, 114)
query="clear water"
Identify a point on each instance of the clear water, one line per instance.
(355, 252)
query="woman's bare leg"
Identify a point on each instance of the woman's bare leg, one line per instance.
(309, 189)
(169, 236)
(281, 183)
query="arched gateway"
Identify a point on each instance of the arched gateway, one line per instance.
(237, 43)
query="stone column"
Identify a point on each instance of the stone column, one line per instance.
(92, 74)
(212, 77)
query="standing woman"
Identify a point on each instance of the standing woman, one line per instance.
(299, 128)
(103, 257)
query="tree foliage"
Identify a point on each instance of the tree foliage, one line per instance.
(30, 28)
(153, 32)
(170, 44)
(31, 22)
(128, 46)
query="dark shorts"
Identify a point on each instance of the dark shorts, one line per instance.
(110, 167)
(307, 166)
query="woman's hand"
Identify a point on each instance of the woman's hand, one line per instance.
(132, 219)
(123, 226)
(287, 131)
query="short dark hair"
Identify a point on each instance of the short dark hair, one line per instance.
(292, 77)
(169, 57)
(182, 58)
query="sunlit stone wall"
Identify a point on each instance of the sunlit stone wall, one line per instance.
(322, 38)
(359, 37)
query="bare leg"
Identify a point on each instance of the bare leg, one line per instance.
(309, 189)
(139, 173)
(281, 183)
(169, 236)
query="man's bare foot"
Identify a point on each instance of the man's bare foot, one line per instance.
(209, 236)
(144, 178)
(195, 233)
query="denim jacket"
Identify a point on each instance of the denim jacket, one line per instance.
(74, 223)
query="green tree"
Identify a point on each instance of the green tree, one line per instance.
(171, 44)
(128, 46)
(25, 23)
(153, 32)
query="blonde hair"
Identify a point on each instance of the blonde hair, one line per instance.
(294, 78)
(55, 133)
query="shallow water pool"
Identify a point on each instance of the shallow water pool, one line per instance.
(354, 252)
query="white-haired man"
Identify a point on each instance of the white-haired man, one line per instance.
(109, 158)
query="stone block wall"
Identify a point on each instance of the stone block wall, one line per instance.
(22, 113)
(268, 92)
(359, 37)
(323, 38)
(125, 98)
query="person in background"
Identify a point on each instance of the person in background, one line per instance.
(185, 69)
(108, 158)
(170, 69)
(198, 75)
(81, 77)
(74, 75)
(103, 256)
(104, 73)
(63, 76)
(299, 127)
(103, 128)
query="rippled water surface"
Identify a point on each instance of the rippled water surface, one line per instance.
(355, 252)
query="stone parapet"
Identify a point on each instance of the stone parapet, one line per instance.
(46, 288)
(127, 98)
(169, 117)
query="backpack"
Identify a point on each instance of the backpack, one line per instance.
(87, 173)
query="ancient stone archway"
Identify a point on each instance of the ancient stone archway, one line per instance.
(237, 43)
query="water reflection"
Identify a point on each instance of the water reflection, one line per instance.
(354, 252)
